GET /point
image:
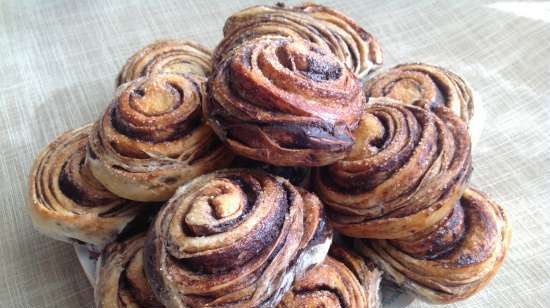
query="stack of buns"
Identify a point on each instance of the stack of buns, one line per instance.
(219, 178)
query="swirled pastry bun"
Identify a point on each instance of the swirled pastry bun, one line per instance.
(342, 280)
(167, 56)
(67, 203)
(407, 169)
(323, 26)
(285, 102)
(453, 261)
(234, 238)
(430, 86)
(152, 138)
(121, 279)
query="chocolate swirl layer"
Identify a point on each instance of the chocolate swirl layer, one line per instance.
(285, 102)
(167, 56)
(426, 85)
(121, 281)
(405, 172)
(453, 261)
(342, 280)
(67, 203)
(321, 25)
(152, 138)
(234, 238)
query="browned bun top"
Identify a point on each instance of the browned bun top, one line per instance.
(453, 260)
(404, 174)
(286, 102)
(426, 85)
(152, 138)
(234, 238)
(167, 56)
(321, 25)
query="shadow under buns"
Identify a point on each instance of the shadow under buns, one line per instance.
(152, 138)
(455, 260)
(67, 203)
(404, 174)
(234, 238)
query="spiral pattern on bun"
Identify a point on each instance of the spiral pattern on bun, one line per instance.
(453, 261)
(429, 85)
(167, 56)
(285, 102)
(121, 279)
(234, 238)
(342, 280)
(405, 173)
(152, 138)
(323, 26)
(67, 203)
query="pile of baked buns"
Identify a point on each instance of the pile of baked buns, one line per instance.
(219, 179)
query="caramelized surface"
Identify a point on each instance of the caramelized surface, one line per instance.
(285, 102)
(234, 238)
(405, 172)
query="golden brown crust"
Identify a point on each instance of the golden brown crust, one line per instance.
(342, 280)
(326, 27)
(67, 203)
(234, 238)
(121, 281)
(152, 139)
(284, 102)
(321, 25)
(167, 56)
(361, 50)
(406, 171)
(424, 84)
(462, 266)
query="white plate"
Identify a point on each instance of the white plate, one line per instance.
(392, 297)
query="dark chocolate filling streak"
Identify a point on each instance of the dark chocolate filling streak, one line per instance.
(244, 195)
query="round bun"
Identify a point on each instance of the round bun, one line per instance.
(407, 169)
(234, 238)
(67, 203)
(285, 102)
(152, 139)
(453, 261)
(430, 86)
(342, 280)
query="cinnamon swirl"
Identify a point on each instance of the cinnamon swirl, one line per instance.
(419, 83)
(285, 102)
(67, 203)
(234, 238)
(405, 173)
(455, 260)
(152, 139)
(167, 56)
(321, 25)
(342, 280)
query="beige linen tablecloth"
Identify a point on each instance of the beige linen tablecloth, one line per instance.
(59, 59)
